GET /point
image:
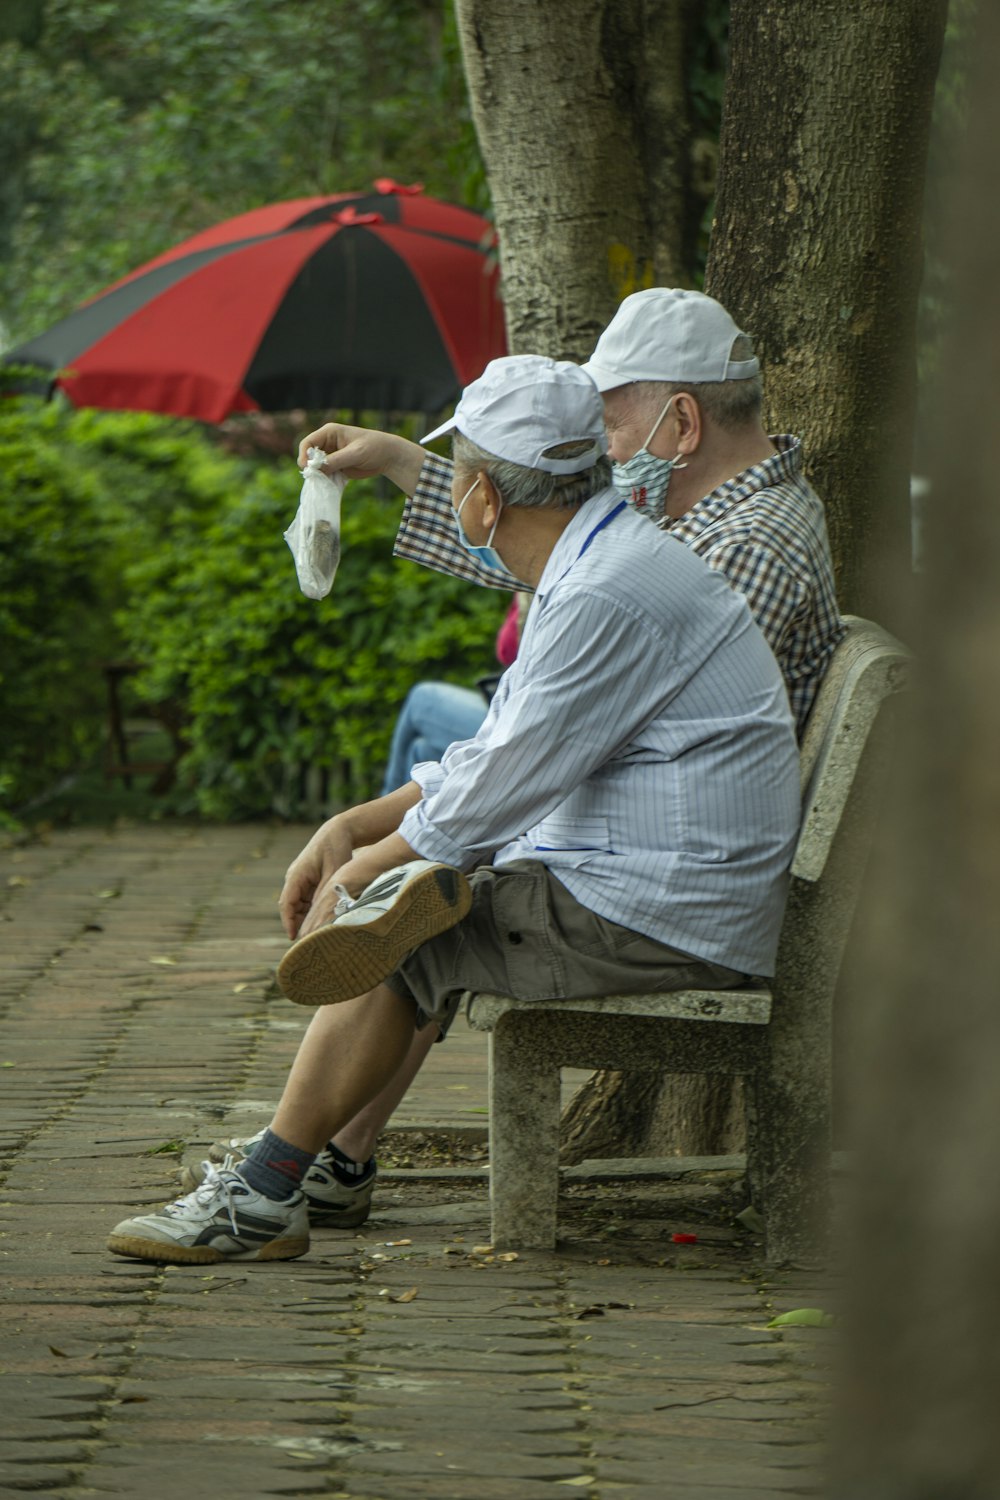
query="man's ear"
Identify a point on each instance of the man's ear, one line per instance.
(690, 423)
(491, 499)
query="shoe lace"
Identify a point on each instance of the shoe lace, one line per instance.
(345, 902)
(217, 1183)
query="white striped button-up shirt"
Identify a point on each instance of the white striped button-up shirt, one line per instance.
(641, 746)
(764, 530)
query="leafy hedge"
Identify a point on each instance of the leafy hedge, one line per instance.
(274, 682)
(130, 535)
(80, 494)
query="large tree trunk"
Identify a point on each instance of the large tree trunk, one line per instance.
(919, 1414)
(816, 251)
(816, 247)
(581, 112)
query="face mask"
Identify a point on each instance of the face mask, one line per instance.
(487, 554)
(643, 479)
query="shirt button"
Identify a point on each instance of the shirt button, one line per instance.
(514, 937)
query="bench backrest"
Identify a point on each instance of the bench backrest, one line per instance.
(868, 667)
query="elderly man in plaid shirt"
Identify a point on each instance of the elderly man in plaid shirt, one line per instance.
(682, 402)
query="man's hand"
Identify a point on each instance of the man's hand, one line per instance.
(328, 849)
(355, 875)
(362, 452)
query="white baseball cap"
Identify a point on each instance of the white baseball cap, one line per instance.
(667, 333)
(523, 405)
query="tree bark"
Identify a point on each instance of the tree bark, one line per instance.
(918, 1409)
(816, 247)
(581, 112)
(816, 250)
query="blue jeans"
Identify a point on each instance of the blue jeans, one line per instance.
(434, 716)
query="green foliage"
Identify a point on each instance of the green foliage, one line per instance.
(127, 535)
(50, 581)
(274, 682)
(127, 127)
(80, 494)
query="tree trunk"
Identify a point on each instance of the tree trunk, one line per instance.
(816, 251)
(816, 248)
(581, 112)
(918, 1414)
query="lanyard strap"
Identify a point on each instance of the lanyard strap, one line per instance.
(601, 525)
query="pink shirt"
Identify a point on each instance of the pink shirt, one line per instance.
(507, 636)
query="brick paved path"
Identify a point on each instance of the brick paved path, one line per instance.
(136, 1011)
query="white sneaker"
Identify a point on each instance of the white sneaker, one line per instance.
(332, 1204)
(393, 916)
(223, 1219)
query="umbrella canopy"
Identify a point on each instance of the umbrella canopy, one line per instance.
(383, 301)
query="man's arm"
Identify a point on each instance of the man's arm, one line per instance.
(307, 898)
(363, 452)
(427, 532)
(590, 685)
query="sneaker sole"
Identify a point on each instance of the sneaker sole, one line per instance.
(201, 1255)
(337, 963)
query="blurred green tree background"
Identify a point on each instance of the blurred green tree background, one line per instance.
(123, 129)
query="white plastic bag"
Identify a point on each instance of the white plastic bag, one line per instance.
(314, 535)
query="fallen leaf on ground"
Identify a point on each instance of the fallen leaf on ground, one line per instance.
(802, 1317)
(406, 1296)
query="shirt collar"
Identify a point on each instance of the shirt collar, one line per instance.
(784, 465)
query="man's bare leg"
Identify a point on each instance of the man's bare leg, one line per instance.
(357, 1139)
(349, 1055)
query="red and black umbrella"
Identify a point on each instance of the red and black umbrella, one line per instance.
(380, 301)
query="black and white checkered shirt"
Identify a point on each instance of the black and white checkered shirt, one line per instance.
(765, 530)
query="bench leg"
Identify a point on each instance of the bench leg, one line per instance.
(524, 1143)
(788, 1157)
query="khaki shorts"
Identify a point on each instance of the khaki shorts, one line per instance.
(527, 937)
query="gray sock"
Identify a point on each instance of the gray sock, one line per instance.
(275, 1167)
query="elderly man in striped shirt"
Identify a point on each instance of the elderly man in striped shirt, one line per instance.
(624, 819)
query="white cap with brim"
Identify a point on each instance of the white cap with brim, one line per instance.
(524, 405)
(668, 334)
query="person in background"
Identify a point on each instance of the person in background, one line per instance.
(435, 715)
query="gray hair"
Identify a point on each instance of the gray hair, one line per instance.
(534, 488)
(728, 403)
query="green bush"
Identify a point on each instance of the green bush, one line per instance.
(52, 626)
(274, 682)
(81, 493)
(127, 535)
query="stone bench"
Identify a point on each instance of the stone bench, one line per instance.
(779, 1038)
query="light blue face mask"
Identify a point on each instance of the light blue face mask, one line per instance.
(643, 479)
(487, 554)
